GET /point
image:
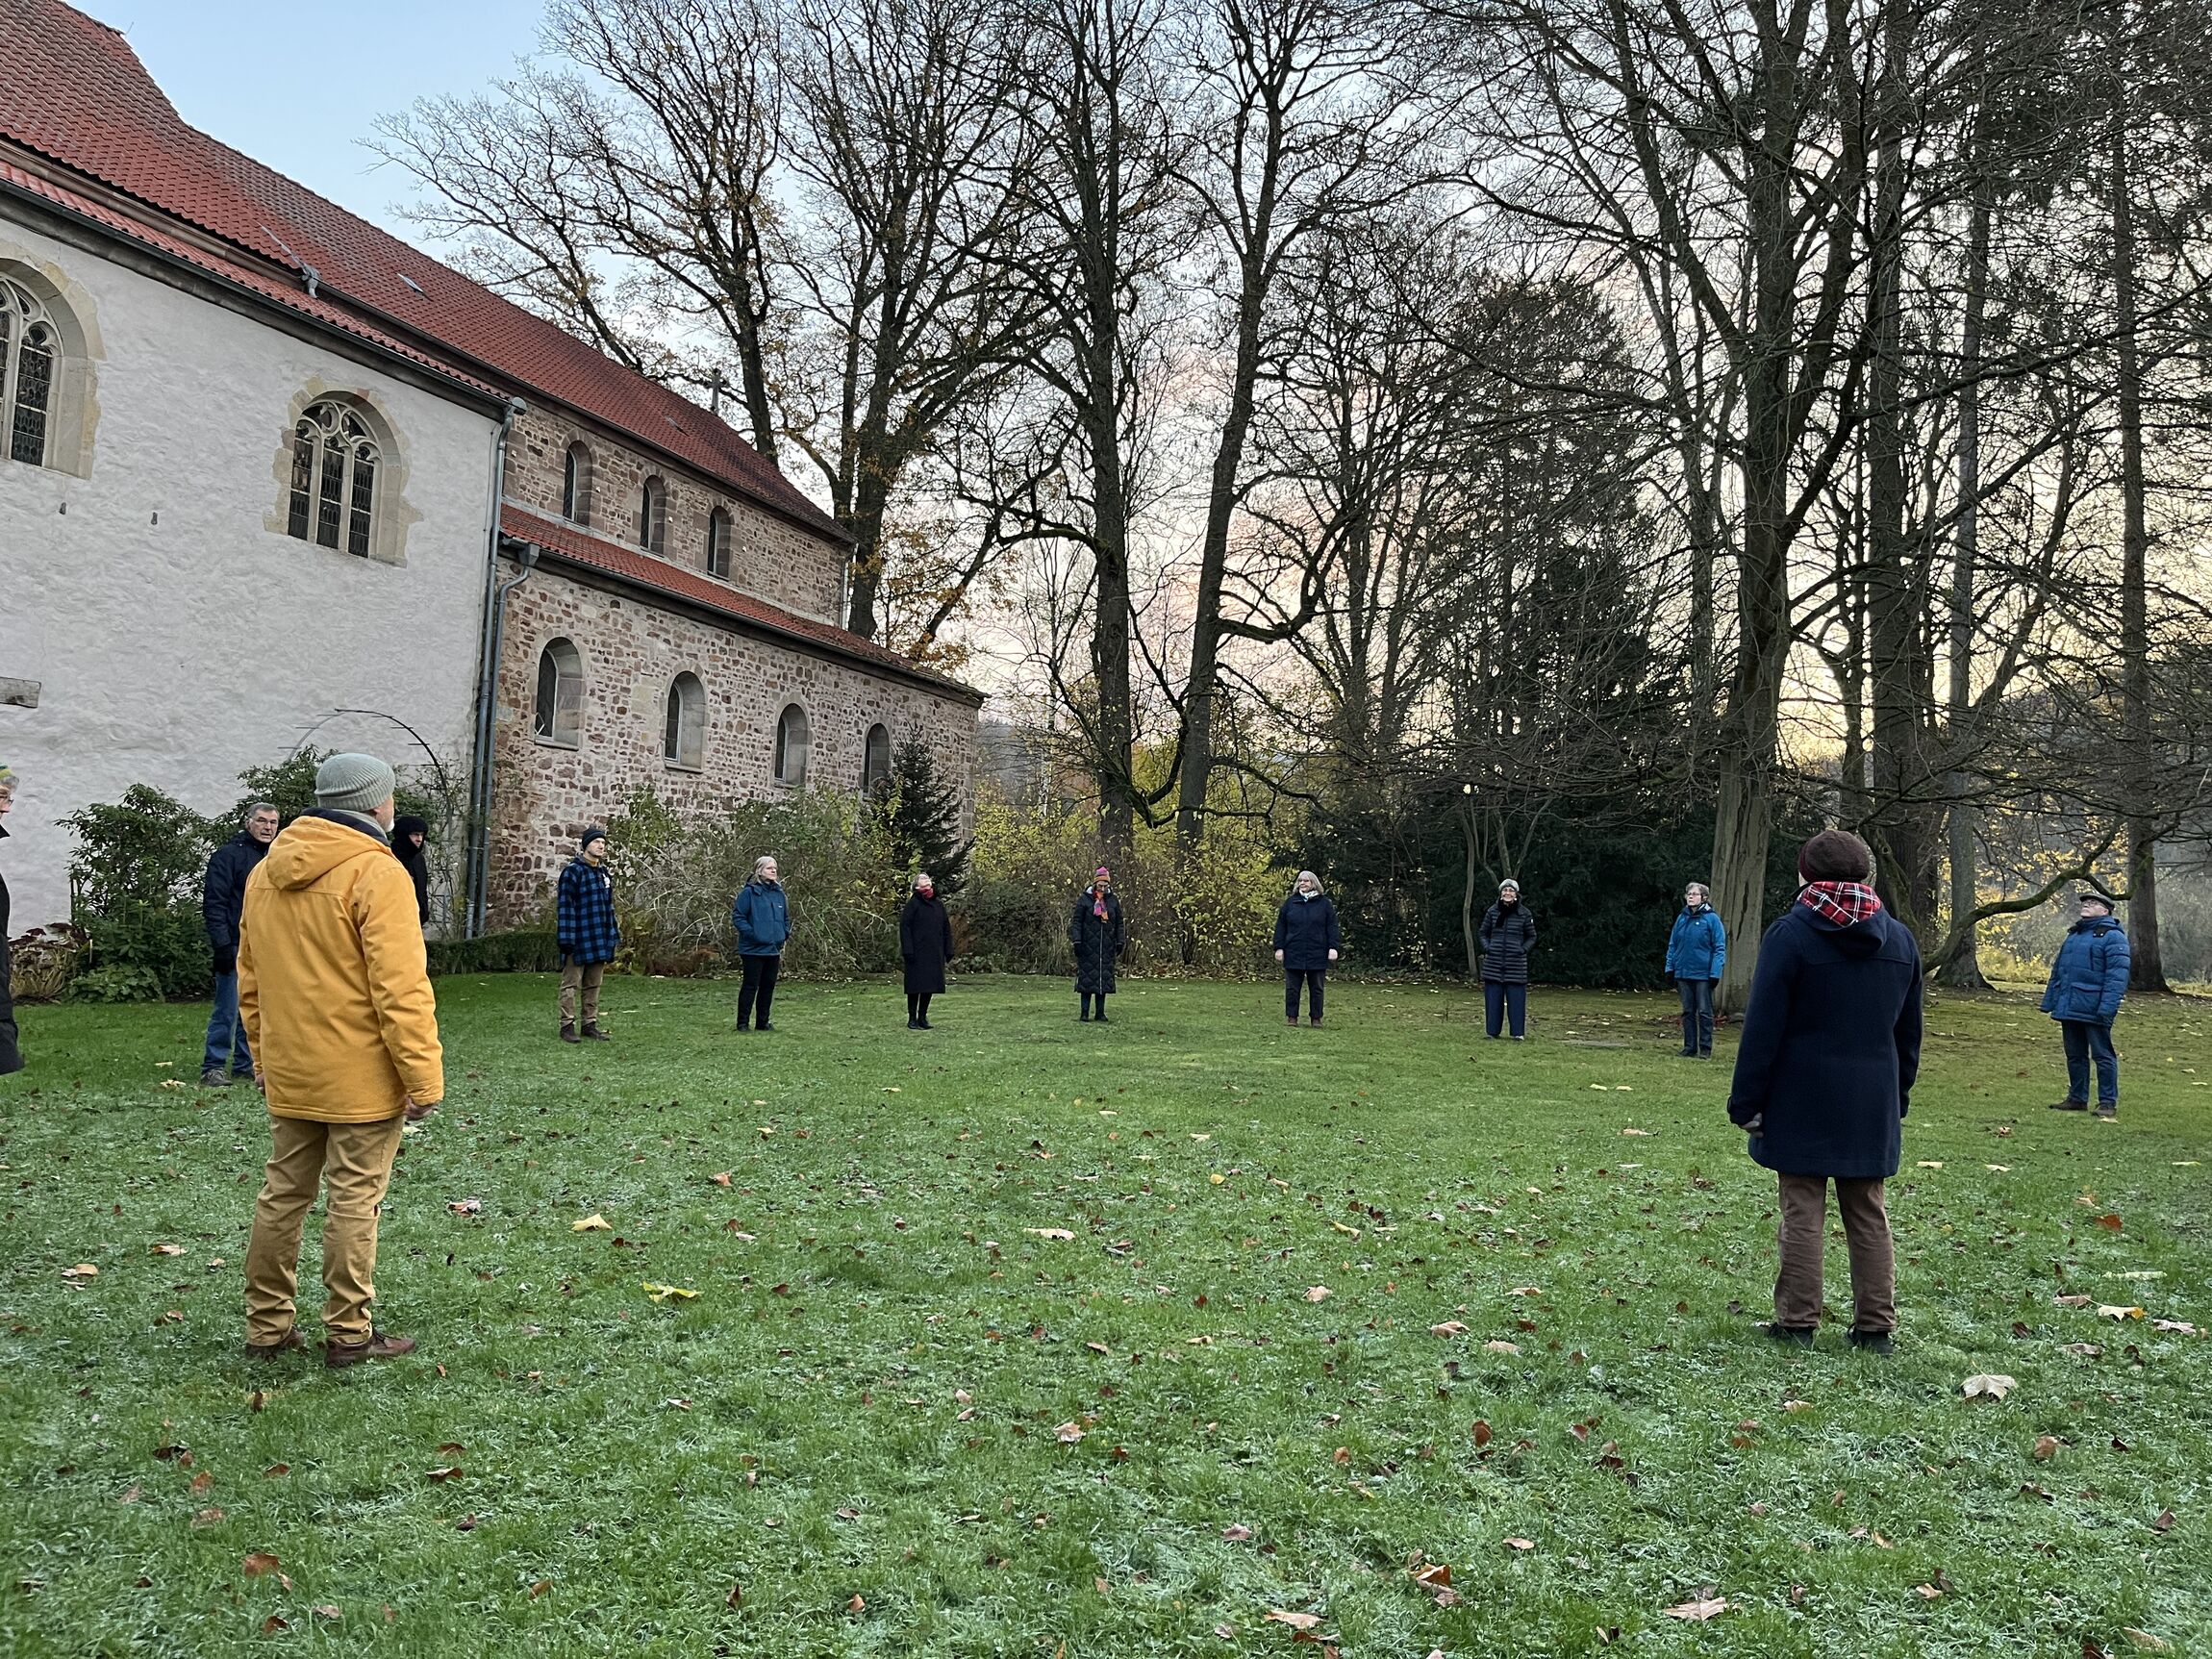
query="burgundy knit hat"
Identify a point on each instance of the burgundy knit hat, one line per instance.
(1835, 855)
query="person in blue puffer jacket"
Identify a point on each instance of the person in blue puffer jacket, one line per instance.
(1696, 954)
(762, 916)
(2087, 982)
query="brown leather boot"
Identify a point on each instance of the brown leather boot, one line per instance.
(380, 1346)
(595, 1035)
(292, 1342)
(568, 1034)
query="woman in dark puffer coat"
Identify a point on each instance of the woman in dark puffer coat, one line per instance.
(925, 946)
(1508, 935)
(1095, 933)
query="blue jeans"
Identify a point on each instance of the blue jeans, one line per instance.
(227, 1032)
(1697, 1015)
(1501, 1001)
(2086, 1041)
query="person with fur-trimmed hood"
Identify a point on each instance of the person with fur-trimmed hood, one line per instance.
(584, 924)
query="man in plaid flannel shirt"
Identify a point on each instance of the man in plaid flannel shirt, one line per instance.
(583, 914)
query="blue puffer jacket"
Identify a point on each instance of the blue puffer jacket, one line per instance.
(1306, 932)
(761, 917)
(1698, 947)
(2089, 977)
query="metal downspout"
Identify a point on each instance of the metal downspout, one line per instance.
(487, 684)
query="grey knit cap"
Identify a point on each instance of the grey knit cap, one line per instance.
(352, 782)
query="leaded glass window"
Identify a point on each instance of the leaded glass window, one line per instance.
(334, 462)
(29, 347)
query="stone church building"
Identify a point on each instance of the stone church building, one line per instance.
(269, 476)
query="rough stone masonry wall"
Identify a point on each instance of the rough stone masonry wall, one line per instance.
(632, 652)
(771, 557)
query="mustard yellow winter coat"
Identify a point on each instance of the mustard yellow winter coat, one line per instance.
(332, 982)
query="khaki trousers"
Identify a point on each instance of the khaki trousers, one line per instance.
(584, 975)
(1802, 1235)
(355, 1160)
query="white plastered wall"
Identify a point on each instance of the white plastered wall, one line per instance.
(174, 632)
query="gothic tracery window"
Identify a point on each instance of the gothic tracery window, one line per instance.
(334, 462)
(29, 348)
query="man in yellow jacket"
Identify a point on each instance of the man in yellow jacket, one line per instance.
(340, 1018)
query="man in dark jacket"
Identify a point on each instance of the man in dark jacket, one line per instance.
(585, 930)
(1696, 955)
(1306, 941)
(1094, 934)
(2087, 982)
(222, 899)
(1824, 1073)
(11, 1056)
(410, 839)
(1507, 935)
(762, 920)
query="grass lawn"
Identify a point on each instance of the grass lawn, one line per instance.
(1006, 1341)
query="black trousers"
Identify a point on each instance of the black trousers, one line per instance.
(10, 1058)
(1090, 996)
(917, 1004)
(759, 988)
(1313, 980)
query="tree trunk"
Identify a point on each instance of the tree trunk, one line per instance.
(2139, 753)
(1467, 895)
(1964, 969)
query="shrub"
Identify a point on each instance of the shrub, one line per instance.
(135, 892)
(529, 950)
(674, 881)
(41, 963)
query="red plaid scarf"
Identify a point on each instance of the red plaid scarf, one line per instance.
(1843, 902)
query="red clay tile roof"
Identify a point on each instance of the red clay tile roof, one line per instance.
(232, 272)
(633, 564)
(72, 90)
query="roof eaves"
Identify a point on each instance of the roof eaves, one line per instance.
(66, 204)
(518, 526)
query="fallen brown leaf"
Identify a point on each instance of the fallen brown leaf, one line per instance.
(261, 1561)
(1296, 1621)
(1698, 1611)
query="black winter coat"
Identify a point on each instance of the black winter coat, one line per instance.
(1506, 938)
(1306, 932)
(223, 893)
(1096, 941)
(1831, 1045)
(925, 943)
(416, 859)
(11, 1059)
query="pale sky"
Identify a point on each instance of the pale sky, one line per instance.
(297, 86)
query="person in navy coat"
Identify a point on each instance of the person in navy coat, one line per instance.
(1307, 940)
(2087, 982)
(1824, 1072)
(1696, 954)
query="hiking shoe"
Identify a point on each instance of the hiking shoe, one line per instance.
(380, 1346)
(764, 1025)
(912, 1023)
(1797, 1336)
(568, 1034)
(595, 1035)
(215, 1077)
(2070, 1105)
(1102, 1020)
(289, 1342)
(1874, 1342)
(2108, 1109)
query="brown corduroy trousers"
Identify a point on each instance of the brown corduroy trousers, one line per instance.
(1802, 1235)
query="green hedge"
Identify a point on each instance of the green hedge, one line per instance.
(531, 951)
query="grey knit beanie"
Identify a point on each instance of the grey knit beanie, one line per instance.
(352, 782)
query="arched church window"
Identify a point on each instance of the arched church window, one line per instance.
(334, 463)
(29, 347)
(558, 712)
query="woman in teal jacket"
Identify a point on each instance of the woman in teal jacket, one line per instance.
(2087, 982)
(1697, 953)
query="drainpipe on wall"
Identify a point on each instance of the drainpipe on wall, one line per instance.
(487, 682)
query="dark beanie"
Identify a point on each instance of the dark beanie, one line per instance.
(1835, 855)
(592, 834)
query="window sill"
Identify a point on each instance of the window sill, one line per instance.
(545, 743)
(680, 766)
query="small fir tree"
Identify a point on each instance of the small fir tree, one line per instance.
(922, 814)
